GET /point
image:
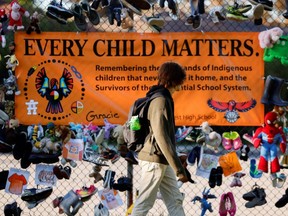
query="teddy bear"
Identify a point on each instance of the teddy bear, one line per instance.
(269, 37)
(34, 23)
(96, 173)
(15, 16)
(3, 18)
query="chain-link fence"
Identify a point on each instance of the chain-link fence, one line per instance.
(64, 16)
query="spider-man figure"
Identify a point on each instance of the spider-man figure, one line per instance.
(268, 137)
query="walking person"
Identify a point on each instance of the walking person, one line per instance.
(160, 165)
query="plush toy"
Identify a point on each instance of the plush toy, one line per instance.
(34, 23)
(11, 131)
(11, 82)
(96, 174)
(268, 137)
(236, 182)
(205, 205)
(209, 137)
(15, 16)
(127, 21)
(35, 134)
(63, 132)
(269, 37)
(3, 18)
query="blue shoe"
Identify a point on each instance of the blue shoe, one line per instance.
(254, 172)
(194, 155)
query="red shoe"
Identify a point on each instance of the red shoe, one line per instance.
(232, 209)
(226, 141)
(222, 206)
(236, 140)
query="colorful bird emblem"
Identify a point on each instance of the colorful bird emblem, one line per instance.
(231, 107)
(53, 90)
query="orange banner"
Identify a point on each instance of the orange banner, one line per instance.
(86, 77)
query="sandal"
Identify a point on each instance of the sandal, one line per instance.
(281, 178)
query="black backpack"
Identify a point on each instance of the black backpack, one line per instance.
(135, 139)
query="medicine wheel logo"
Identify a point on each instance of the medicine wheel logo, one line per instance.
(53, 82)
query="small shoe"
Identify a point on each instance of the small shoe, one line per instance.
(197, 21)
(86, 193)
(79, 18)
(66, 172)
(222, 207)
(236, 140)
(109, 179)
(244, 152)
(194, 155)
(226, 141)
(273, 178)
(254, 172)
(251, 194)
(182, 133)
(57, 201)
(232, 209)
(212, 177)
(93, 17)
(258, 13)
(219, 174)
(34, 195)
(58, 171)
(12, 209)
(281, 178)
(259, 200)
(283, 200)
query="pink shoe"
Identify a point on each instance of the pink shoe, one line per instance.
(226, 141)
(232, 209)
(222, 206)
(236, 140)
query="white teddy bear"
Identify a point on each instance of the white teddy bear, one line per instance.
(15, 16)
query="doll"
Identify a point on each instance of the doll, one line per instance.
(268, 137)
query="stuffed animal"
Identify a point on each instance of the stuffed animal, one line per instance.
(3, 18)
(127, 21)
(15, 16)
(34, 23)
(268, 137)
(209, 137)
(63, 132)
(11, 82)
(96, 174)
(236, 182)
(11, 131)
(269, 37)
(35, 134)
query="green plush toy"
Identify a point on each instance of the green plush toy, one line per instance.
(278, 51)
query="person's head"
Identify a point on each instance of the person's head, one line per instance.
(171, 75)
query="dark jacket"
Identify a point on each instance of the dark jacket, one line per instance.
(161, 146)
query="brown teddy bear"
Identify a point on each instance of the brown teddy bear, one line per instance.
(96, 174)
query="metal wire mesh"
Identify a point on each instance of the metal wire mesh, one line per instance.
(80, 174)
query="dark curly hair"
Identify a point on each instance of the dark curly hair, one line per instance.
(171, 74)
